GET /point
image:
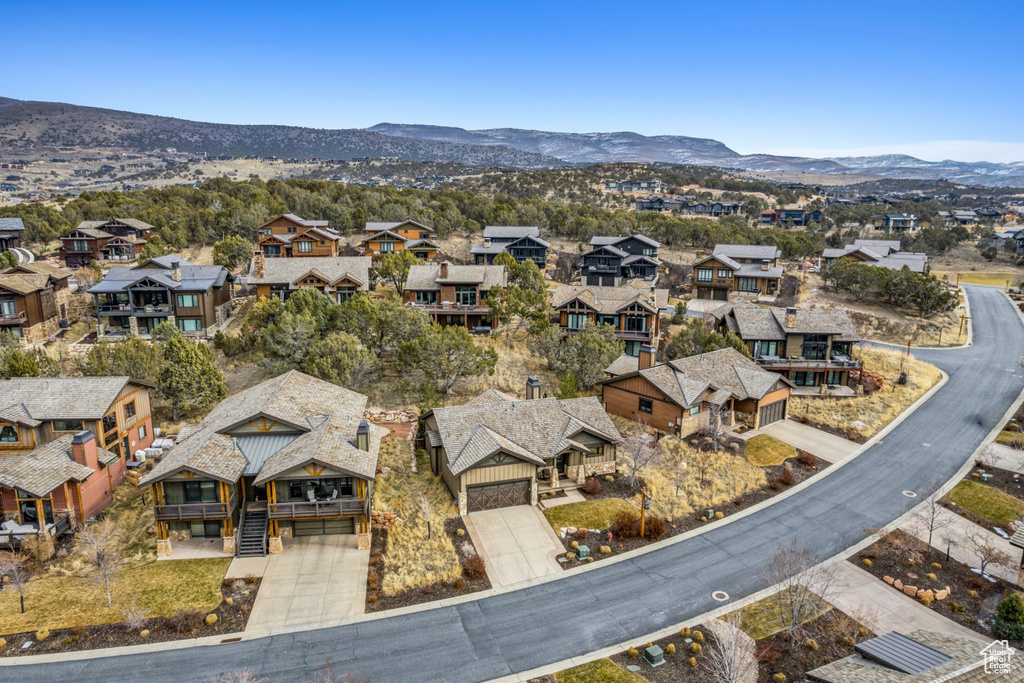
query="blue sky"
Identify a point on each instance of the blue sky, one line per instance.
(936, 79)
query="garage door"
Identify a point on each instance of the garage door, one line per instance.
(320, 527)
(773, 412)
(493, 496)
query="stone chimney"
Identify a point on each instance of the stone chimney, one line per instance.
(765, 264)
(83, 447)
(646, 359)
(258, 263)
(363, 436)
(176, 271)
(790, 317)
(532, 388)
(444, 270)
(487, 241)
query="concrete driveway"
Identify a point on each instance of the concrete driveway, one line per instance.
(816, 442)
(317, 580)
(517, 543)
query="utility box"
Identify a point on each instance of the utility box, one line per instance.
(582, 552)
(654, 655)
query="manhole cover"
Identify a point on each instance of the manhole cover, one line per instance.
(910, 494)
(720, 596)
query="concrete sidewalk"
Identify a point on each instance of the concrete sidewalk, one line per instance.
(882, 608)
(1003, 457)
(517, 543)
(816, 442)
(960, 530)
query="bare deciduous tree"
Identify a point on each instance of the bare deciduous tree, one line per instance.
(801, 584)
(423, 506)
(731, 652)
(102, 545)
(932, 516)
(14, 571)
(676, 457)
(243, 676)
(703, 461)
(718, 418)
(638, 450)
(988, 550)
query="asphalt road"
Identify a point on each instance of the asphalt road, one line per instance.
(582, 612)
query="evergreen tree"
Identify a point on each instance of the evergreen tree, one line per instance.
(189, 378)
(446, 355)
(232, 251)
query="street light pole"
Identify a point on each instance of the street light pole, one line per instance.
(645, 500)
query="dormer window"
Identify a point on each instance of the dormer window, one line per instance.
(9, 434)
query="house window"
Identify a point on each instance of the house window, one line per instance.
(200, 491)
(343, 294)
(596, 451)
(612, 320)
(694, 410)
(9, 434)
(646, 406)
(109, 422)
(723, 273)
(805, 379)
(465, 296)
(272, 250)
(190, 324)
(636, 323)
(633, 348)
(387, 247)
(747, 284)
(142, 432)
(426, 297)
(67, 425)
(295, 490)
(79, 245)
(576, 321)
(204, 529)
(292, 229)
(767, 348)
(304, 247)
(704, 274)
(188, 300)
(8, 309)
(834, 377)
(129, 410)
(815, 346)
(840, 348)
(265, 231)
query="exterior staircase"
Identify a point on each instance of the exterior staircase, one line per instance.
(253, 540)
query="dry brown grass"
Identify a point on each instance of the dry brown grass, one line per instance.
(881, 407)
(515, 365)
(726, 477)
(940, 330)
(411, 560)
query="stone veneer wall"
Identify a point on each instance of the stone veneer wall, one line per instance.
(579, 473)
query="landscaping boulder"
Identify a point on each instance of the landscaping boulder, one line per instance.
(570, 530)
(889, 580)
(941, 595)
(897, 584)
(928, 594)
(605, 549)
(910, 590)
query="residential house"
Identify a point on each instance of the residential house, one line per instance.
(651, 185)
(747, 269)
(134, 300)
(896, 221)
(520, 242)
(288, 457)
(495, 451)
(34, 301)
(288, 235)
(796, 217)
(339, 277)
(657, 203)
(809, 346)
(613, 260)
(682, 396)
(64, 447)
(1009, 240)
(118, 240)
(455, 295)
(11, 231)
(880, 253)
(713, 209)
(633, 310)
(924, 657)
(965, 218)
(385, 238)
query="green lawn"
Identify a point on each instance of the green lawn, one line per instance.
(1006, 437)
(987, 502)
(162, 588)
(601, 671)
(767, 451)
(992, 279)
(592, 514)
(760, 620)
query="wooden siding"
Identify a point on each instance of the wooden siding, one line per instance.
(313, 471)
(497, 473)
(620, 399)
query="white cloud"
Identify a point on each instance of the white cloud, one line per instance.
(937, 150)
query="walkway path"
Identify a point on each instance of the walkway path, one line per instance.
(816, 442)
(961, 531)
(882, 608)
(1003, 457)
(517, 544)
(616, 601)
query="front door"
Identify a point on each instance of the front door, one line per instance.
(125, 448)
(560, 462)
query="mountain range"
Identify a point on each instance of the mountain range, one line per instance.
(25, 124)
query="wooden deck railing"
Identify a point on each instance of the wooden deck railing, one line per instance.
(318, 508)
(183, 511)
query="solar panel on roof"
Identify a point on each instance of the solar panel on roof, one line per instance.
(902, 653)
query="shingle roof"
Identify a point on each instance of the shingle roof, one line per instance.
(755, 270)
(280, 271)
(98, 225)
(510, 231)
(745, 251)
(533, 430)
(603, 240)
(623, 364)
(61, 398)
(45, 467)
(193, 278)
(372, 226)
(11, 224)
(324, 415)
(90, 231)
(428, 277)
(611, 299)
(377, 235)
(23, 283)
(43, 268)
(303, 221)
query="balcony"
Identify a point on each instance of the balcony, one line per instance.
(187, 511)
(115, 308)
(633, 335)
(316, 508)
(17, 318)
(835, 363)
(456, 309)
(152, 309)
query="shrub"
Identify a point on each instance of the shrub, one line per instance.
(867, 562)
(779, 678)
(1009, 621)
(374, 561)
(862, 632)
(633, 652)
(372, 580)
(591, 486)
(738, 502)
(697, 636)
(849, 641)
(186, 620)
(427, 590)
(78, 629)
(609, 478)
(574, 545)
(626, 525)
(811, 644)
(692, 662)
(582, 534)
(775, 484)
(134, 617)
(926, 602)
(144, 633)
(229, 601)
(932, 577)
(719, 515)
(767, 653)
(975, 582)
(670, 649)
(251, 579)
(459, 584)
(936, 565)
(211, 619)
(695, 648)
(972, 593)
(808, 460)
(685, 632)
(654, 528)
(788, 478)
(371, 598)
(474, 567)
(648, 644)
(460, 532)
(42, 634)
